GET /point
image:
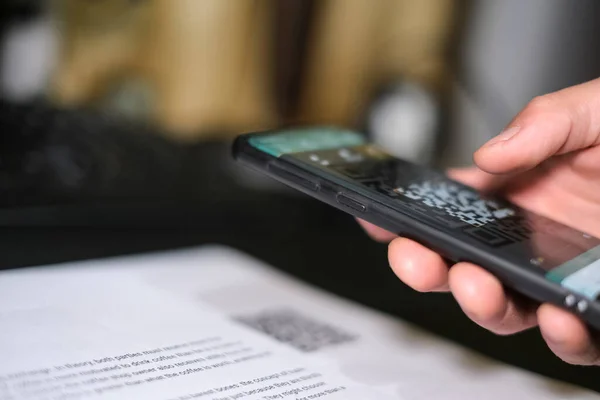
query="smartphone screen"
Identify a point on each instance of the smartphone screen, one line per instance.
(563, 255)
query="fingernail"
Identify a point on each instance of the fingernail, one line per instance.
(504, 136)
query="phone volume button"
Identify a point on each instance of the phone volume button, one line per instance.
(350, 203)
(294, 178)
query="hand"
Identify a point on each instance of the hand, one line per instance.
(547, 161)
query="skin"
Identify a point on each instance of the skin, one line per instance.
(547, 160)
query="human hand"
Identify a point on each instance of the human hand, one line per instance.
(547, 161)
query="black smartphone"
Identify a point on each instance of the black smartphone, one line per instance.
(537, 257)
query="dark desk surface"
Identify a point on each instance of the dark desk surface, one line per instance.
(296, 234)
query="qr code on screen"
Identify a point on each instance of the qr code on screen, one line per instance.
(292, 328)
(457, 202)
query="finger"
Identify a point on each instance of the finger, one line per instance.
(567, 336)
(377, 233)
(553, 124)
(417, 266)
(483, 299)
(478, 179)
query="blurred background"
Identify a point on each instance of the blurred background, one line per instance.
(430, 79)
(116, 118)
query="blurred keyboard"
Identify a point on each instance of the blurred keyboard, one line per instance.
(73, 167)
(49, 155)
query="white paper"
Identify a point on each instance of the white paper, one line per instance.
(86, 333)
(388, 354)
(80, 311)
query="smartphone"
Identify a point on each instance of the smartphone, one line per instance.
(535, 256)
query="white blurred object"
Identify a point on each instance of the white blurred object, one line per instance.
(88, 333)
(405, 123)
(28, 56)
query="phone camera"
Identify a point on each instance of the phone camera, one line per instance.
(570, 301)
(582, 306)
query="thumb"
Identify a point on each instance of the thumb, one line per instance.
(553, 124)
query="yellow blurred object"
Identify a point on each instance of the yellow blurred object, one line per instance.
(209, 64)
(99, 43)
(361, 44)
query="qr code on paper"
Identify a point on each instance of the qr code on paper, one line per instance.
(296, 330)
(466, 205)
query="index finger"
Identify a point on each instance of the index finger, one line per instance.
(553, 124)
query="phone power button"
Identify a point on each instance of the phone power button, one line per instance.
(350, 203)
